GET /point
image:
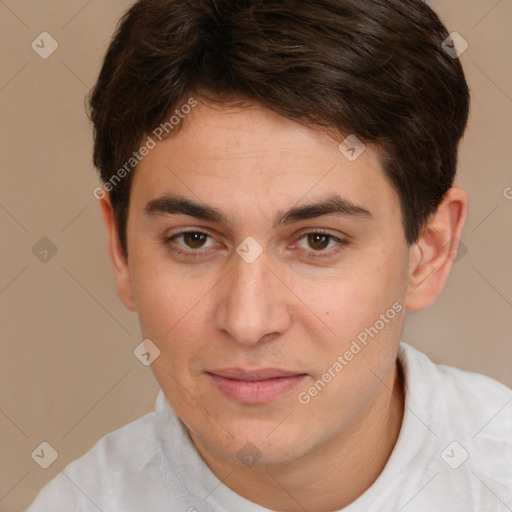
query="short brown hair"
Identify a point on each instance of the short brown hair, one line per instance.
(374, 68)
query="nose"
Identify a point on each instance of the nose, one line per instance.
(254, 302)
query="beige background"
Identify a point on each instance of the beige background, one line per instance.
(67, 370)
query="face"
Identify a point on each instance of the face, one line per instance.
(273, 316)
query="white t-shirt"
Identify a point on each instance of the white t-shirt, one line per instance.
(453, 454)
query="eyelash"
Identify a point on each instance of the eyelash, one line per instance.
(311, 254)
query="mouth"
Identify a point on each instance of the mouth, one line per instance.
(254, 386)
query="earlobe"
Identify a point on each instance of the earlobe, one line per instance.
(117, 257)
(432, 256)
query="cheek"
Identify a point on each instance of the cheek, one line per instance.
(174, 311)
(351, 302)
(162, 296)
(155, 305)
(366, 305)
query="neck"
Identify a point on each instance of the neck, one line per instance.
(334, 475)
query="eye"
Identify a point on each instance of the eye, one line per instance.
(318, 244)
(192, 240)
(319, 241)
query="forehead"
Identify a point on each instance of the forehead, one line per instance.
(238, 159)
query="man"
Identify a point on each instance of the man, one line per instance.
(278, 192)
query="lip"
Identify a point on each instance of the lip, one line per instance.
(254, 386)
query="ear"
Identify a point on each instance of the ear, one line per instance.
(431, 257)
(119, 261)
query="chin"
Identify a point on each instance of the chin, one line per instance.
(257, 445)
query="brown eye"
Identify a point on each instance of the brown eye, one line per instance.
(194, 240)
(318, 241)
(319, 244)
(191, 243)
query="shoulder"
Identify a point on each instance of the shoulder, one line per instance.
(469, 419)
(87, 482)
(472, 393)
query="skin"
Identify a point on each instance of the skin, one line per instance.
(284, 310)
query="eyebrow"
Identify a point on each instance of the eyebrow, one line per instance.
(332, 205)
